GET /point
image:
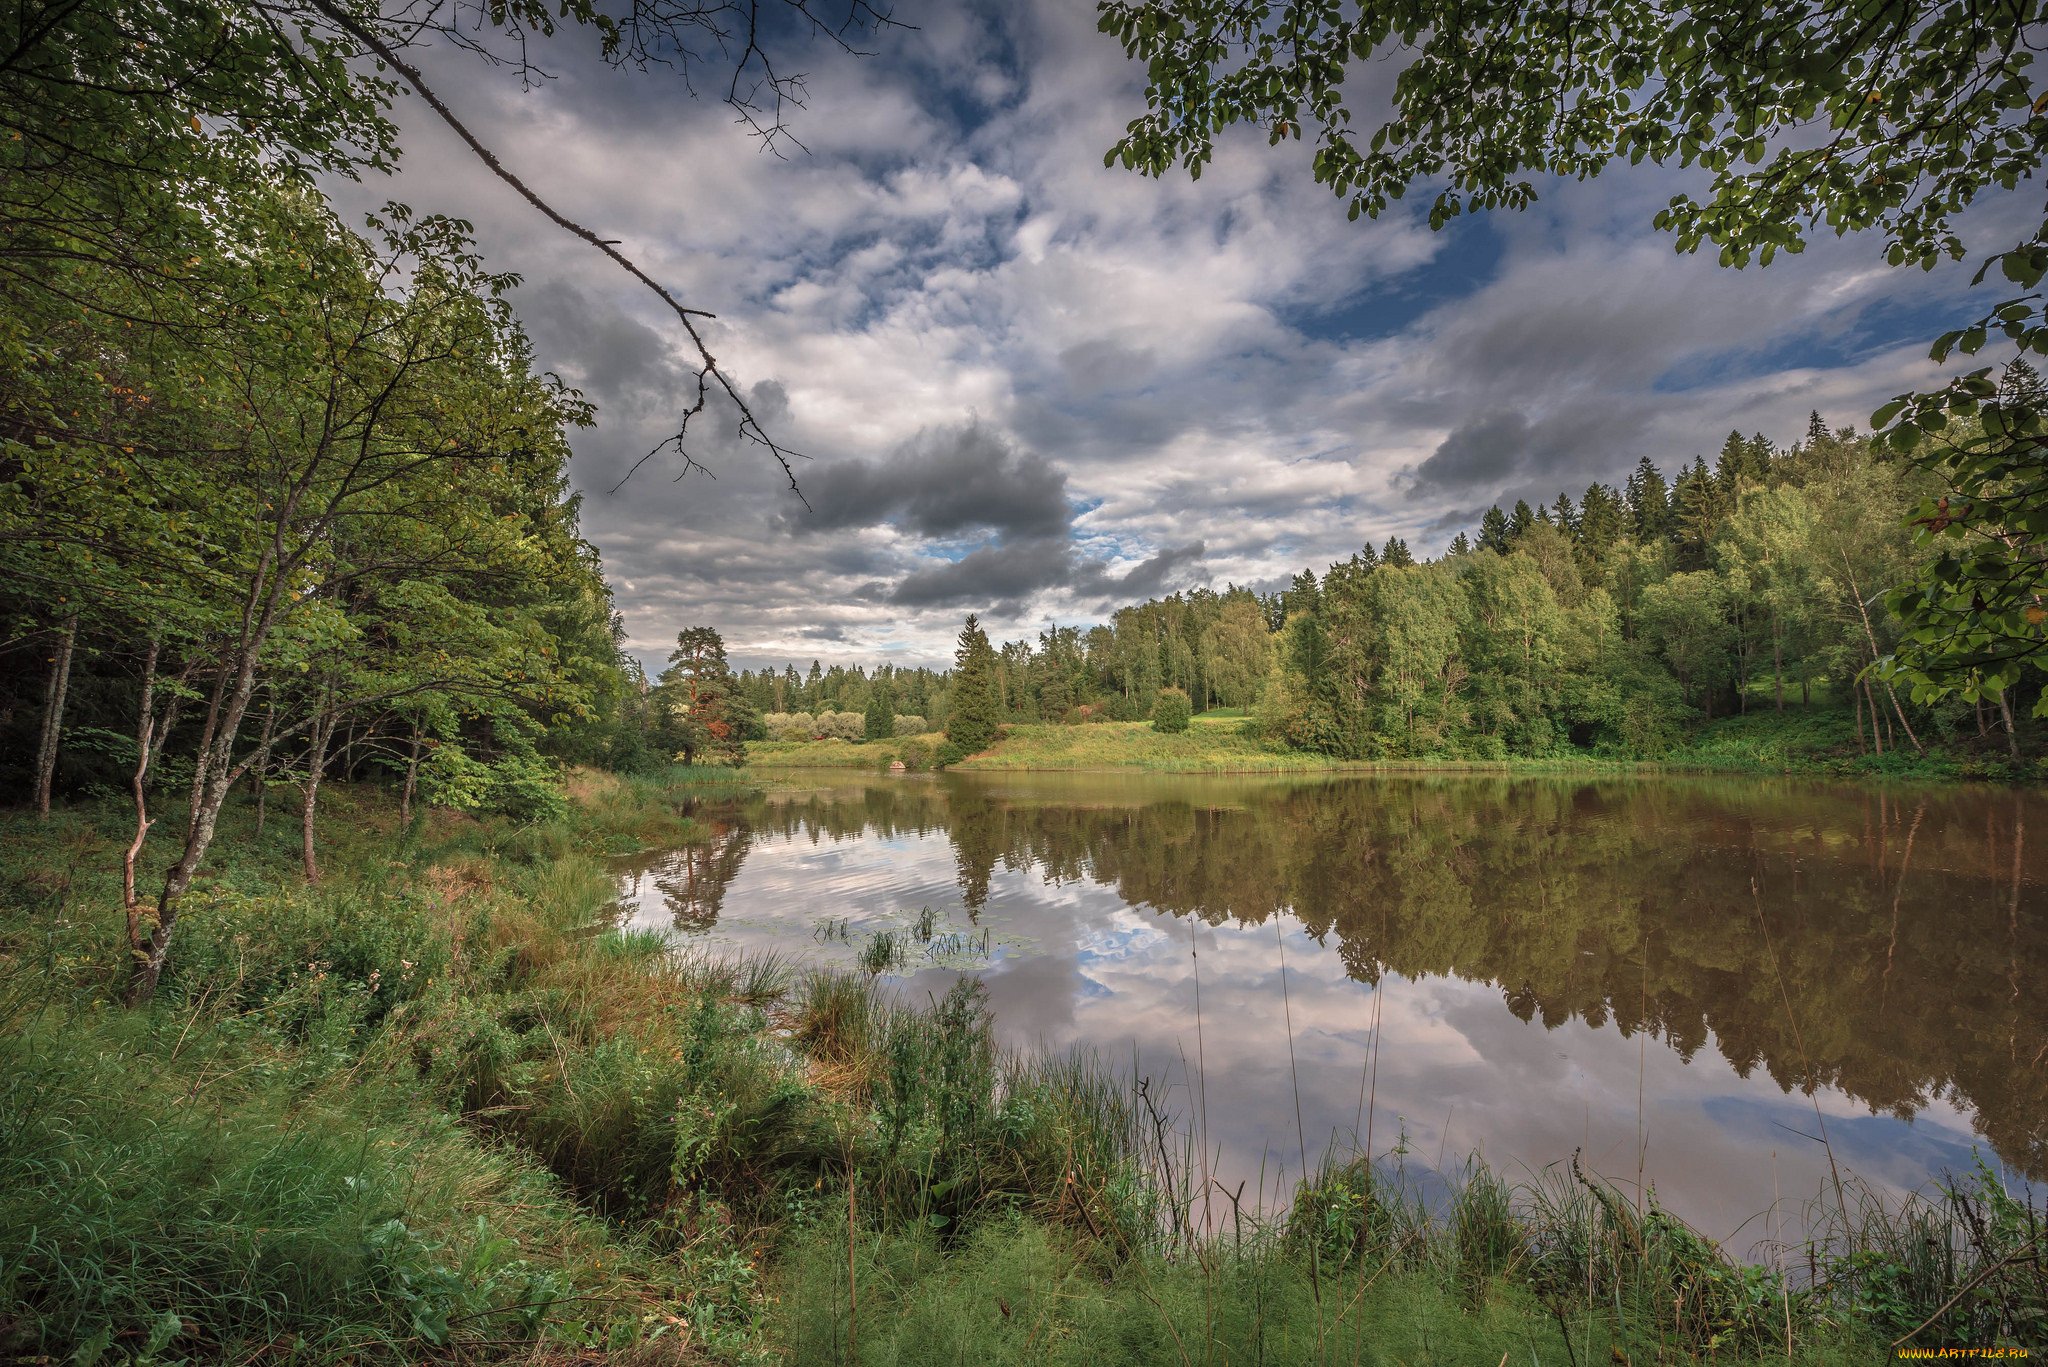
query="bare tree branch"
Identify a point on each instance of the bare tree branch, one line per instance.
(708, 370)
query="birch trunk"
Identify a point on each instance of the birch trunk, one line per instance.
(138, 786)
(316, 765)
(53, 715)
(1871, 636)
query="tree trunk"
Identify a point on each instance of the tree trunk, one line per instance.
(412, 778)
(53, 714)
(145, 724)
(1778, 659)
(1743, 650)
(259, 773)
(214, 774)
(316, 765)
(1856, 696)
(1871, 636)
(2012, 739)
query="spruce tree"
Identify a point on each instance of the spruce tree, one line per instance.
(1520, 520)
(1697, 501)
(880, 722)
(1302, 595)
(1649, 501)
(971, 724)
(1396, 553)
(1601, 523)
(1493, 531)
(1461, 544)
(2021, 386)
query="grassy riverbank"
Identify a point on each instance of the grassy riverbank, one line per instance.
(1814, 740)
(441, 1106)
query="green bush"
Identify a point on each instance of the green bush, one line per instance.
(524, 787)
(1171, 711)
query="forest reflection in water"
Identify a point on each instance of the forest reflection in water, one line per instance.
(1672, 974)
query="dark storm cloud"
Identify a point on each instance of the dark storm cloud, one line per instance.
(941, 483)
(1481, 453)
(1147, 579)
(1453, 520)
(1009, 574)
(1510, 451)
(1004, 574)
(617, 358)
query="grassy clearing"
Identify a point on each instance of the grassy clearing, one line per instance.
(1818, 740)
(441, 1107)
(1211, 745)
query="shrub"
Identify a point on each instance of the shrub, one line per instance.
(910, 724)
(1171, 711)
(916, 756)
(524, 788)
(840, 726)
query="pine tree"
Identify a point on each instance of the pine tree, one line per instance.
(976, 708)
(1396, 553)
(704, 709)
(1460, 545)
(1520, 520)
(1565, 515)
(1493, 531)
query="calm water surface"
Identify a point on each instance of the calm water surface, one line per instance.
(1671, 975)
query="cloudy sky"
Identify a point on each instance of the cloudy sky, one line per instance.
(1034, 388)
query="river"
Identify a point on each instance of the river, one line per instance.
(1689, 981)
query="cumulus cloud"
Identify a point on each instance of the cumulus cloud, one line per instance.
(1032, 386)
